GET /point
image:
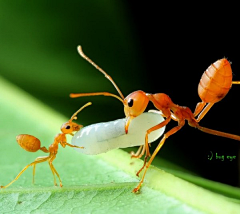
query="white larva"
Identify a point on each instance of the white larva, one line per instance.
(102, 137)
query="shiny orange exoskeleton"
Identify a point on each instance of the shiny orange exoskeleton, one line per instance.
(29, 142)
(214, 85)
(33, 144)
(216, 81)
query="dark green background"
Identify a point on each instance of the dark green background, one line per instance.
(155, 48)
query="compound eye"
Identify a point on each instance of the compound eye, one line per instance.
(130, 102)
(68, 127)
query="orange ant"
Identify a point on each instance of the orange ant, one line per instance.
(215, 83)
(33, 144)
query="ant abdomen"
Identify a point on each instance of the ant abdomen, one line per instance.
(28, 142)
(216, 81)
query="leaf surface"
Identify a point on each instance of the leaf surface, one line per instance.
(91, 184)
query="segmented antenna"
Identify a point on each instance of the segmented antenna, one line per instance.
(74, 117)
(80, 51)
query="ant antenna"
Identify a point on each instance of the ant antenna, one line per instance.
(74, 117)
(80, 51)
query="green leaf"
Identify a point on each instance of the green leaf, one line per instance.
(91, 184)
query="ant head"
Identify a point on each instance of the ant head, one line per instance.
(70, 127)
(134, 105)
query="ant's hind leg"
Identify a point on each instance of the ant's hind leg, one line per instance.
(199, 108)
(42, 159)
(218, 133)
(204, 111)
(24, 169)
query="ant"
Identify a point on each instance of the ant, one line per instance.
(33, 144)
(215, 83)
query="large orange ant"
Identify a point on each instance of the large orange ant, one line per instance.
(215, 83)
(33, 144)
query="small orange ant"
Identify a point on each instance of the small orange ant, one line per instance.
(33, 144)
(215, 83)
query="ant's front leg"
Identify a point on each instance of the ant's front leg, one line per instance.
(70, 145)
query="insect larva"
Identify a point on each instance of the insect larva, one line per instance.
(102, 137)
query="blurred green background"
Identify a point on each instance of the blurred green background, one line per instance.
(154, 48)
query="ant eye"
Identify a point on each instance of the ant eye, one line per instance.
(67, 127)
(130, 102)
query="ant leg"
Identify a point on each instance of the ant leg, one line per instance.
(54, 171)
(68, 144)
(199, 108)
(34, 165)
(144, 164)
(218, 133)
(160, 125)
(137, 154)
(20, 173)
(174, 117)
(169, 133)
(204, 111)
(140, 152)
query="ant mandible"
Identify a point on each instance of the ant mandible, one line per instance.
(33, 144)
(215, 83)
